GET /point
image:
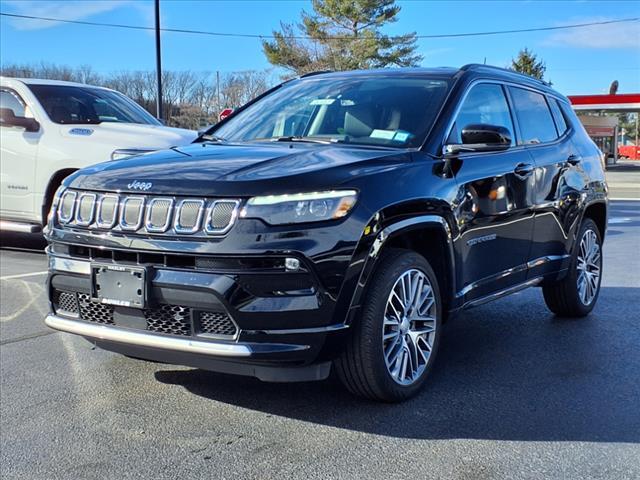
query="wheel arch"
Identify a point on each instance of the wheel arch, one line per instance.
(54, 182)
(429, 235)
(597, 211)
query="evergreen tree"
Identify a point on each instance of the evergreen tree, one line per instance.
(527, 62)
(342, 35)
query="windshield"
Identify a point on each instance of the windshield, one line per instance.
(389, 111)
(70, 104)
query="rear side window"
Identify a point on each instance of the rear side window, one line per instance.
(558, 116)
(485, 103)
(534, 116)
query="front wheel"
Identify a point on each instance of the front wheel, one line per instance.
(395, 338)
(577, 293)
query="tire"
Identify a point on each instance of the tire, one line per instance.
(363, 366)
(566, 297)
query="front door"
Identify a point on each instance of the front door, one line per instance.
(18, 153)
(494, 201)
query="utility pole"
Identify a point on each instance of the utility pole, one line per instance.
(219, 107)
(158, 63)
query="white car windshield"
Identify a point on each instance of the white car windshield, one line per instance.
(67, 104)
(393, 110)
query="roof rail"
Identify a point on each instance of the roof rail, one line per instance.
(311, 74)
(480, 66)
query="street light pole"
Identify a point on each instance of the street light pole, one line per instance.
(158, 63)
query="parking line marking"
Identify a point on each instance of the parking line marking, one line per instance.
(23, 275)
(622, 199)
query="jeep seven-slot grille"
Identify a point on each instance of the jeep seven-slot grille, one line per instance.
(146, 214)
(167, 319)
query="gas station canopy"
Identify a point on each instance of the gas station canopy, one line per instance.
(623, 102)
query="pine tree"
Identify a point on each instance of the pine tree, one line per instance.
(342, 35)
(527, 62)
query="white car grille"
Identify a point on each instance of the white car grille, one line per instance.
(146, 213)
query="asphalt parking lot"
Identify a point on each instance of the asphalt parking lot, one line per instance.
(516, 393)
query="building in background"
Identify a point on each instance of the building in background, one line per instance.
(597, 114)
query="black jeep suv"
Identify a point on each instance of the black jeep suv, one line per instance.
(338, 219)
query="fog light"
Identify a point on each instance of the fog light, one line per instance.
(291, 263)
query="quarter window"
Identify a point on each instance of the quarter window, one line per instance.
(558, 116)
(534, 116)
(10, 100)
(485, 104)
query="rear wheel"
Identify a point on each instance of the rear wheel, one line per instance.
(395, 339)
(577, 293)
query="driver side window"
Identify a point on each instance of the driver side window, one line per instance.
(10, 100)
(485, 103)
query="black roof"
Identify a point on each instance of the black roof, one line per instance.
(474, 69)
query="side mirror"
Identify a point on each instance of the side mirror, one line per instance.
(9, 119)
(482, 138)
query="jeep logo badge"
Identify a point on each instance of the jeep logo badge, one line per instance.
(136, 185)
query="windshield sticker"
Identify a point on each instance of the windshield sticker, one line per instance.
(384, 134)
(401, 136)
(322, 101)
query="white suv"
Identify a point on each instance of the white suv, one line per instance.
(49, 129)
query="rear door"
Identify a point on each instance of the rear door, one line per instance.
(547, 135)
(494, 201)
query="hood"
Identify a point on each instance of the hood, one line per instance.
(131, 135)
(206, 169)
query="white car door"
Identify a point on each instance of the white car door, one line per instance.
(18, 155)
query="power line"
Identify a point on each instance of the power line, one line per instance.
(305, 37)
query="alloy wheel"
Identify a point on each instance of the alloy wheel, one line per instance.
(588, 264)
(409, 327)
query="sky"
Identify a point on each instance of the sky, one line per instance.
(579, 61)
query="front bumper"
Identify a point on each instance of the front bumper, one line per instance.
(210, 355)
(283, 337)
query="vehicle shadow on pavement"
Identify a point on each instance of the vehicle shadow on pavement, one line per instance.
(499, 375)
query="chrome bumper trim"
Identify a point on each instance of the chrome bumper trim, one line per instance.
(150, 340)
(63, 264)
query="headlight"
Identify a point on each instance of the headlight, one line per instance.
(127, 152)
(300, 207)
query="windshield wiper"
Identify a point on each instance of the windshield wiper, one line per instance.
(298, 138)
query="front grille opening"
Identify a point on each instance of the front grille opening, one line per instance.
(212, 263)
(216, 323)
(151, 258)
(101, 254)
(164, 318)
(170, 319)
(94, 311)
(65, 303)
(121, 256)
(180, 261)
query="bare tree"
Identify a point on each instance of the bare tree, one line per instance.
(190, 98)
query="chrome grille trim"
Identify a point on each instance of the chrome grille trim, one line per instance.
(148, 224)
(131, 227)
(61, 216)
(147, 214)
(176, 223)
(80, 220)
(101, 222)
(209, 228)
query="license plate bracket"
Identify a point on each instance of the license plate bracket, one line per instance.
(119, 285)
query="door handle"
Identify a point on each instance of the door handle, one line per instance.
(574, 159)
(523, 169)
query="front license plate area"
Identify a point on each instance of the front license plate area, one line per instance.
(118, 285)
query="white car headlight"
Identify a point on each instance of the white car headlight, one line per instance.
(300, 207)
